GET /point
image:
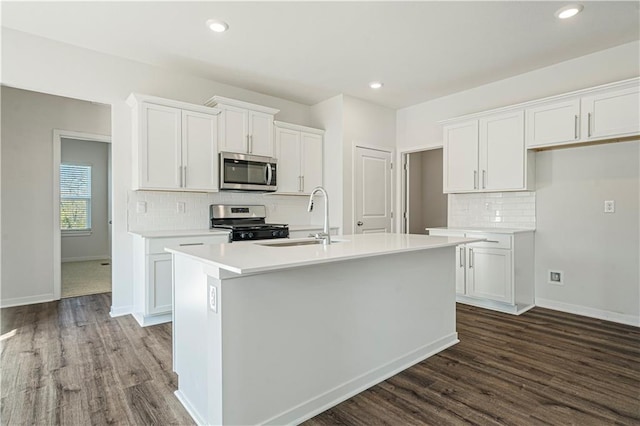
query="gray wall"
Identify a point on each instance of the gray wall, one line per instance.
(598, 252)
(427, 203)
(96, 245)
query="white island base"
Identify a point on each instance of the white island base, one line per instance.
(280, 346)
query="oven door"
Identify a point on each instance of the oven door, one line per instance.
(241, 172)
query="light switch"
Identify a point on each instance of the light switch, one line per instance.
(180, 206)
(141, 207)
(610, 206)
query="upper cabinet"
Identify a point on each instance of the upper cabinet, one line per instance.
(175, 145)
(244, 128)
(487, 154)
(600, 113)
(299, 153)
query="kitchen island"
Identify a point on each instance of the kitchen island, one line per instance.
(266, 332)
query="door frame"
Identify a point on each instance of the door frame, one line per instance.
(58, 135)
(391, 152)
(403, 183)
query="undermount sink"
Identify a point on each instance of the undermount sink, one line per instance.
(295, 243)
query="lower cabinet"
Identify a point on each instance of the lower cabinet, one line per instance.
(153, 274)
(497, 273)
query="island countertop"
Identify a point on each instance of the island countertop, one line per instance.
(257, 256)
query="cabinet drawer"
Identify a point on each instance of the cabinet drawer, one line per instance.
(498, 241)
(157, 245)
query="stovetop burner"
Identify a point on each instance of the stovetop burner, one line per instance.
(245, 222)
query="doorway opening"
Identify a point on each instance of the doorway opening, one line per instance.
(424, 203)
(82, 213)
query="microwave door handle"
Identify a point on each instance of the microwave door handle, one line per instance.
(269, 174)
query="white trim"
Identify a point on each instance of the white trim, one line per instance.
(147, 320)
(586, 311)
(85, 258)
(118, 311)
(221, 102)
(29, 300)
(190, 408)
(135, 99)
(58, 135)
(297, 127)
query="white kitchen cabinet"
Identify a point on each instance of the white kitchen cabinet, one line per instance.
(174, 145)
(497, 273)
(244, 128)
(153, 274)
(300, 158)
(612, 113)
(487, 154)
(553, 123)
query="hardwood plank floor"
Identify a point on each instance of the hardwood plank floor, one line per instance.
(70, 363)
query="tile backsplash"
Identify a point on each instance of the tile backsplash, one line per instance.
(493, 210)
(162, 209)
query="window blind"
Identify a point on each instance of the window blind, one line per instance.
(75, 197)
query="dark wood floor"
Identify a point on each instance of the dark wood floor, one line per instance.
(69, 363)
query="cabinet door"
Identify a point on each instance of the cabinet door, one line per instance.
(234, 130)
(199, 151)
(556, 123)
(460, 269)
(311, 161)
(611, 114)
(159, 294)
(160, 147)
(288, 154)
(260, 133)
(502, 159)
(489, 274)
(461, 157)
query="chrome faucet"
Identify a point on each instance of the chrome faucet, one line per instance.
(326, 233)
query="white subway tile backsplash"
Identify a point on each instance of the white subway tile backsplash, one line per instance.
(497, 210)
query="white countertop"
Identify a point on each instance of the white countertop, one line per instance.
(254, 257)
(486, 230)
(178, 233)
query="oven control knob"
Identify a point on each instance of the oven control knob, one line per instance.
(243, 235)
(275, 233)
(282, 233)
(250, 234)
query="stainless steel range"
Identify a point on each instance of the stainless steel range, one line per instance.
(245, 222)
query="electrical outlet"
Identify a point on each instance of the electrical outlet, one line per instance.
(141, 207)
(213, 298)
(555, 277)
(610, 206)
(180, 206)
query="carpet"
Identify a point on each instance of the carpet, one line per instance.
(89, 277)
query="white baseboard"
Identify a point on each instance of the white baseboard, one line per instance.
(147, 320)
(589, 312)
(85, 258)
(29, 300)
(118, 311)
(190, 408)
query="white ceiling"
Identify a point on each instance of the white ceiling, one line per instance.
(311, 51)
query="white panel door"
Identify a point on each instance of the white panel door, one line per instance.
(288, 155)
(199, 151)
(159, 294)
(260, 134)
(611, 114)
(489, 274)
(311, 161)
(461, 157)
(502, 152)
(234, 130)
(554, 123)
(372, 192)
(160, 147)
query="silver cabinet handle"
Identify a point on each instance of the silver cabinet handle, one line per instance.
(180, 174)
(250, 144)
(575, 126)
(248, 147)
(184, 173)
(475, 179)
(461, 257)
(484, 179)
(191, 244)
(470, 258)
(589, 124)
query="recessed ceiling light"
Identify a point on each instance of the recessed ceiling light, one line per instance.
(376, 84)
(568, 11)
(217, 26)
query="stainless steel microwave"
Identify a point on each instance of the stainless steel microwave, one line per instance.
(244, 172)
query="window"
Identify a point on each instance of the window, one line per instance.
(75, 197)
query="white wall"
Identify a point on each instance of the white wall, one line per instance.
(43, 65)
(597, 252)
(95, 245)
(28, 120)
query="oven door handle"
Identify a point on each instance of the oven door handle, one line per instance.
(269, 174)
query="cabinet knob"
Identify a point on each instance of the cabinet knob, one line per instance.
(359, 223)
